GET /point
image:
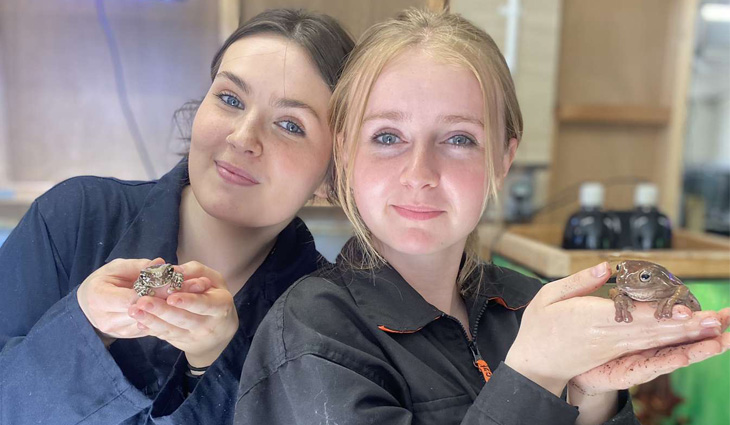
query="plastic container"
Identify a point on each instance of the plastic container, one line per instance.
(648, 227)
(591, 227)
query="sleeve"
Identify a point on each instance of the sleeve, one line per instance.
(510, 398)
(313, 390)
(52, 363)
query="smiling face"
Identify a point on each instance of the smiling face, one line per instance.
(419, 178)
(260, 142)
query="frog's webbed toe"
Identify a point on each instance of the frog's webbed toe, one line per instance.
(624, 305)
(664, 308)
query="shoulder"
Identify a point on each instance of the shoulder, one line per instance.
(316, 316)
(88, 193)
(510, 288)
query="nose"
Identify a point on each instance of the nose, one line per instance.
(245, 136)
(420, 170)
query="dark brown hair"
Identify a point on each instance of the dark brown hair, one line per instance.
(321, 36)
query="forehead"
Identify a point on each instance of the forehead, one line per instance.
(416, 81)
(277, 62)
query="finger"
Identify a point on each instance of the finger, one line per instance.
(194, 269)
(582, 283)
(110, 298)
(118, 325)
(681, 312)
(724, 317)
(649, 368)
(197, 285)
(646, 332)
(125, 268)
(175, 316)
(154, 325)
(214, 302)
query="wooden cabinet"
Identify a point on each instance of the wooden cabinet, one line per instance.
(622, 84)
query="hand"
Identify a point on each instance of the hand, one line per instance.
(200, 320)
(106, 294)
(565, 333)
(643, 366)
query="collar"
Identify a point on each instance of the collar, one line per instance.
(154, 231)
(395, 306)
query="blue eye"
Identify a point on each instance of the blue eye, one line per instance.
(290, 126)
(387, 138)
(231, 100)
(461, 140)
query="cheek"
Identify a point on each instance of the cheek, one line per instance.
(303, 165)
(369, 185)
(468, 187)
(208, 129)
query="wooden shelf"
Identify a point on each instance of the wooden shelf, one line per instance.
(538, 247)
(614, 114)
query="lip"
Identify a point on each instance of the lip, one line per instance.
(234, 175)
(417, 212)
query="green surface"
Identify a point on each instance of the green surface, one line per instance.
(704, 386)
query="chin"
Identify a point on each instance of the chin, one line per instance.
(416, 242)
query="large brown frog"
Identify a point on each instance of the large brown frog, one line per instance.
(647, 281)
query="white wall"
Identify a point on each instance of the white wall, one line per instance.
(63, 116)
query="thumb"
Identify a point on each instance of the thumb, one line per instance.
(123, 272)
(582, 283)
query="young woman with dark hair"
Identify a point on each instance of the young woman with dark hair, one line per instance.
(78, 342)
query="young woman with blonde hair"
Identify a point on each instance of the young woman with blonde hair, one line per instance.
(410, 326)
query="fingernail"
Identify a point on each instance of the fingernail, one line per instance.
(710, 332)
(195, 287)
(680, 315)
(175, 301)
(599, 270)
(710, 322)
(147, 306)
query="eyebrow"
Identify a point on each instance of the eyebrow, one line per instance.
(293, 103)
(401, 116)
(236, 80)
(388, 115)
(453, 119)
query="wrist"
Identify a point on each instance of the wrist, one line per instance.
(106, 339)
(553, 384)
(593, 408)
(202, 360)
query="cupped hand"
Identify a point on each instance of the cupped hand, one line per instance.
(105, 296)
(200, 320)
(565, 333)
(643, 366)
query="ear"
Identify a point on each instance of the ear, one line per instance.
(322, 190)
(507, 159)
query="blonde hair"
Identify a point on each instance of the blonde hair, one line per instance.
(451, 39)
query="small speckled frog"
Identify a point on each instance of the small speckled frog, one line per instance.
(158, 277)
(647, 281)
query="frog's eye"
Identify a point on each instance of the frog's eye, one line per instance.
(645, 276)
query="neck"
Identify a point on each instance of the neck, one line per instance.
(232, 250)
(433, 276)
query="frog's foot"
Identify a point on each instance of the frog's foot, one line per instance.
(624, 306)
(664, 308)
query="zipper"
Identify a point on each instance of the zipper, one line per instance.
(479, 362)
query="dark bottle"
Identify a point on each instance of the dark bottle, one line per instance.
(591, 227)
(649, 228)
